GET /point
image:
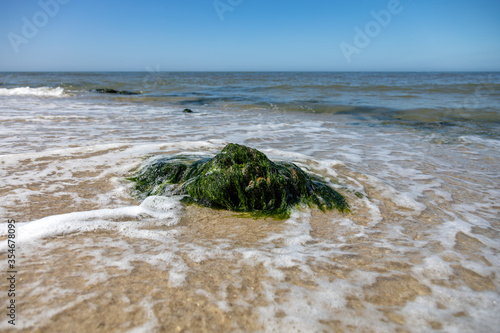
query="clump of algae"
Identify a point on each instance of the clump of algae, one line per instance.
(239, 179)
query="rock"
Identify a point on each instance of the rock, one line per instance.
(113, 91)
(239, 179)
(187, 111)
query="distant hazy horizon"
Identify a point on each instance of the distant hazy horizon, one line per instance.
(242, 71)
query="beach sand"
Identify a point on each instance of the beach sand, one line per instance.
(220, 271)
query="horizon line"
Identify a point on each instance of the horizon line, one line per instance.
(259, 71)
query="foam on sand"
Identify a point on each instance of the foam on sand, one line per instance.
(161, 210)
(413, 246)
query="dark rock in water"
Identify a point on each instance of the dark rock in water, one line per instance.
(239, 179)
(113, 91)
(187, 111)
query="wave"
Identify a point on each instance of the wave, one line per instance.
(406, 89)
(39, 92)
(436, 114)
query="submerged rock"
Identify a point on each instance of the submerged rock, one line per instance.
(187, 111)
(239, 179)
(113, 91)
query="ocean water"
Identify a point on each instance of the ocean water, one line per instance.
(419, 252)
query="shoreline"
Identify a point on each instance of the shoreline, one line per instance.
(418, 253)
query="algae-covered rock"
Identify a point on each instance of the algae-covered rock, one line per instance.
(239, 179)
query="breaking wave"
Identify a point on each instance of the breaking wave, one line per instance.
(27, 91)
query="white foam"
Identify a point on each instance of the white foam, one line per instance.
(38, 92)
(433, 268)
(480, 140)
(33, 319)
(400, 199)
(165, 211)
(423, 310)
(151, 322)
(399, 167)
(164, 208)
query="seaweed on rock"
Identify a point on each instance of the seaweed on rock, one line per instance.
(239, 179)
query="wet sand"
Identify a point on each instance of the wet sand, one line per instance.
(220, 271)
(65, 290)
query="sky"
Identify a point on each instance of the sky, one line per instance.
(250, 35)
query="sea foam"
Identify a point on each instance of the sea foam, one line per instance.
(38, 92)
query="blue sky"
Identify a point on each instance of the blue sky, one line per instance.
(250, 35)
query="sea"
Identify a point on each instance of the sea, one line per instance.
(417, 156)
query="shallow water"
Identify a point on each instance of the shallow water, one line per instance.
(419, 252)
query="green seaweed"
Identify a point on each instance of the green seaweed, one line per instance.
(239, 179)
